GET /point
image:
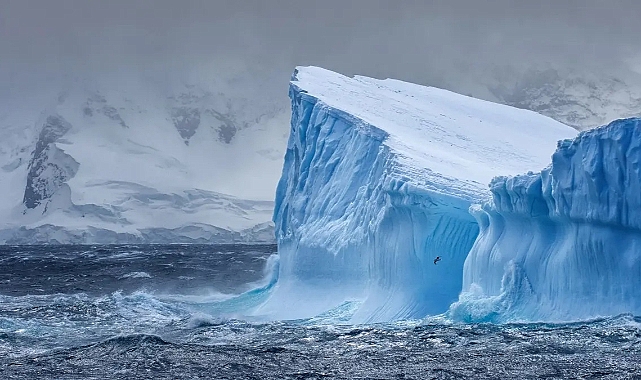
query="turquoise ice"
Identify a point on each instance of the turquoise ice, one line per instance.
(565, 243)
(378, 179)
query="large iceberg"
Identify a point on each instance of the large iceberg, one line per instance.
(565, 243)
(377, 182)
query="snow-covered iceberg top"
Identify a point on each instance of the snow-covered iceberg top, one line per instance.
(565, 243)
(377, 181)
(439, 134)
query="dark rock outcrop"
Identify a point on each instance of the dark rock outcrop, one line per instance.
(50, 167)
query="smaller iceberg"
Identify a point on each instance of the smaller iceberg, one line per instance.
(563, 244)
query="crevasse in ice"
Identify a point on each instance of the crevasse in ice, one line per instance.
(565, 243)
(377, 181)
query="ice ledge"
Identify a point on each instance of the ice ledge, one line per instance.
(593, 178)
(565, 243)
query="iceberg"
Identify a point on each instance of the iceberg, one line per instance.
(377, 182)
(565, 243)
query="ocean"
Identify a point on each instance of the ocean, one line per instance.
(179, 312)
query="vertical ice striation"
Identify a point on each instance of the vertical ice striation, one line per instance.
(565, 243)
(377, 181)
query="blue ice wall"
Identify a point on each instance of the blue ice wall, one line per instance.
(377, 182)
(353, 228)
(563, 244)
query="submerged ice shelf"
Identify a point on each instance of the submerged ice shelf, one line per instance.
(565, 243)
(377, 181)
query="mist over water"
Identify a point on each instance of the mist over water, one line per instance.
(64, 296)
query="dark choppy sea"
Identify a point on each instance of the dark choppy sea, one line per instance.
(154, 312)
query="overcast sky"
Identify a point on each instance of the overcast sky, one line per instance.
(413, 40)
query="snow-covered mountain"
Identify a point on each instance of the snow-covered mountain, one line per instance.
(119, 162)
(153, 158)
(582, 99)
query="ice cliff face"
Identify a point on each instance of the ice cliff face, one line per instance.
(377, 182)
(140, 162)
(565, 243)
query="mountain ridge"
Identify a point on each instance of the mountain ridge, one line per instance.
(135, 156)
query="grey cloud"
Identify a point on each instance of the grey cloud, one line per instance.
(414, 40)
